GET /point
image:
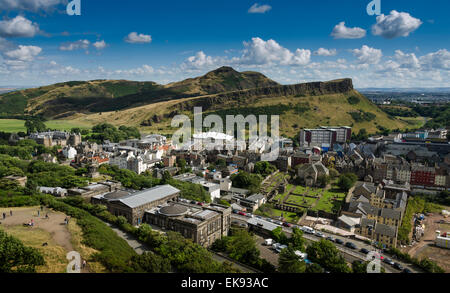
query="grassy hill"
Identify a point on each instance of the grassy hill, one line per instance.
(224, 91)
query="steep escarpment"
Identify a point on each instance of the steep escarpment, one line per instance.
(249, 96)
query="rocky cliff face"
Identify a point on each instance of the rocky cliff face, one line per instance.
(250, 95)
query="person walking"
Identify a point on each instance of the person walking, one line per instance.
(39, 213)
(10, 213)
(4, 216)
(84, 264)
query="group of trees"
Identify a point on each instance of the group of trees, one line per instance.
(264, 168)
(241, 246)
(248, 181)
(35, 125)
(346, 181)
(105, 131)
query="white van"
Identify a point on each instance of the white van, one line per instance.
(268, 242)
(300, 254)
(308, 230)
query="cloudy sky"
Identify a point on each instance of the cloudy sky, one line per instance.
(164, 41)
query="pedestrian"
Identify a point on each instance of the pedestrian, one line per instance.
(4, 216)
(39, 212)
(42, 208)
(84, 263)
(46, 216)
(10, 213)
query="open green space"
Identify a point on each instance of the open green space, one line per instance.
(15, 125)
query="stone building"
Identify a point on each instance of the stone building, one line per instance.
(202, 224)
(134, 205)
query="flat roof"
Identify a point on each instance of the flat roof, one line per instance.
(149, 195)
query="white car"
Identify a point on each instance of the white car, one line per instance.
(319, 234)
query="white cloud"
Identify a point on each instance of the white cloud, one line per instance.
(340, 31)
(200, 60)
(260, 52)
(325, 52)
(396, 24)
(29, 5)
(24, 53)
(256, 8)
(436, 60)
(99, 45)
(18, 27)
(407, 60)
(135, 38)
(5, 45)
(367, 55)
(80, 44)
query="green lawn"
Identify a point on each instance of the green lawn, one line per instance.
(288, 216)
(299, 190)
(326, 202)
(301, 200)
(15, 125)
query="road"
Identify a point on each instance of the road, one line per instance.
(350, 254)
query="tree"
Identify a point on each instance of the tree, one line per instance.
(150, 263)
(314, 269)
(327, 256)
(247, 180)
(289, 262)
(279, 236)
(297, 240)
(323, 180)
(359, 267)
(242, 247)
(346, 181)
(264, 168)
(16, 257)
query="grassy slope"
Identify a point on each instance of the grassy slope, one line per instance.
(325, 110)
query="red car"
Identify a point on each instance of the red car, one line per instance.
(242, 214)
(289, 225)
(200, 203)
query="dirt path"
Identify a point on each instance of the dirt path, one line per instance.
(54, 224)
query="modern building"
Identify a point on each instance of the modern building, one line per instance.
(325, 136)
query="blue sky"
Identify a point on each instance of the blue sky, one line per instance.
(166, 41)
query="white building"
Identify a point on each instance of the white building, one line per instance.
(69, 152)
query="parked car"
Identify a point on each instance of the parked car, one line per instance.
(339, 241)
(330, 238)
(350, 245)
(200, 204)
(308, 230)
(388, 261)
(193, 202)
(398, 266)
(319, 234)
(286, 224)
(280, 248)
(364, 250)
(242, 214)
(407, 271)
